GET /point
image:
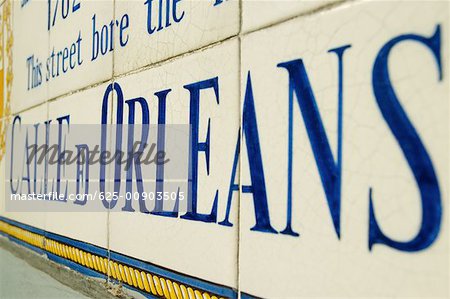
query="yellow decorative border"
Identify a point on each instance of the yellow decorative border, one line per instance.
(22, 234)
(6, 105)
(145, 281)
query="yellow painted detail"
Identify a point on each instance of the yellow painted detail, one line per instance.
(133, 279)
(158, 285)
(146, 284)
(164, 287)
(6, 61)
(139, 279)
(22, 235)
(152, 285)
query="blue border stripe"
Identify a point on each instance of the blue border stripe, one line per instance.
(78, 244)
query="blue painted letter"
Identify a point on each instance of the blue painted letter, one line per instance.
(411, 146)
(329, 170)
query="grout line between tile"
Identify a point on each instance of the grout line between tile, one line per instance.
(326, 7)
(108, 220)
(238, 221)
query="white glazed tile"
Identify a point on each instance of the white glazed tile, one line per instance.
(85, 222)
(37, 115)
(260, 13)
(200, 23)
(30, 47)
(203, 250)
(76, 59)
(84, 107)
(317, 263)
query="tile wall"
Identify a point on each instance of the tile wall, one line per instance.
(318, 142)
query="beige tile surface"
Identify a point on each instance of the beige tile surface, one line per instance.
(317, 262)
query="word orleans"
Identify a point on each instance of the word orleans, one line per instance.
(298, 84)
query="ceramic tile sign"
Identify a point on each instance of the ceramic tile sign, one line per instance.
(30, 41)
(155, 30)
(345, 154)
(188, 233)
